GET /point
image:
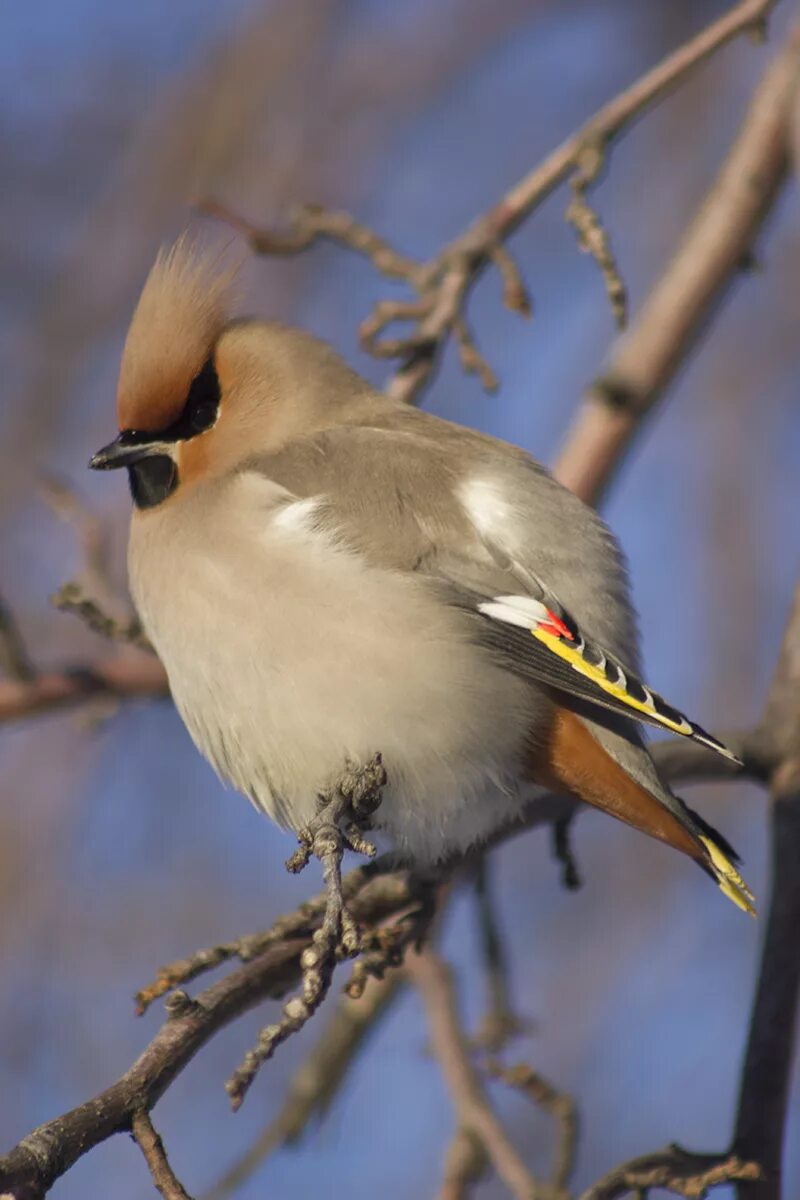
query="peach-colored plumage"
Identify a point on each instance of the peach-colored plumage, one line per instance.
(184, 306)
(325, 573)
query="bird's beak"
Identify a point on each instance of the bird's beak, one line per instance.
(130, 447)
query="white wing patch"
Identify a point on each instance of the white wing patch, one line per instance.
(295, 517)
(559, 634)
(487, 508)
(515, 610)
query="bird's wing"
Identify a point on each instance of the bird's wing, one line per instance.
(542, 640)
(537, 576)
(551, 602)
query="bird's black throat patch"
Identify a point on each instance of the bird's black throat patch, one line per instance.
(152, 480)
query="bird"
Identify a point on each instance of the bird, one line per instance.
(326, 572)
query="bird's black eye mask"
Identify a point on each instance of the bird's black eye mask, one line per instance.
(201, 408)
(153, 475)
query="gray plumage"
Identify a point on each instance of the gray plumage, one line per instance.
(297, 635)
(326, 574)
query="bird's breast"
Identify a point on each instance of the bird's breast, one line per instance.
(288, 654)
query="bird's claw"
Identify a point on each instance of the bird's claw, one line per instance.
(344, 812)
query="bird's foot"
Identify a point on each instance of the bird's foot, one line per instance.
(344, 813)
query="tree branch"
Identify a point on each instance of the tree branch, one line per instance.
(710, 256)
(754, 1162)
(561, 1107)
(443, 283)
(30, 1169)
(451, 1049)
(15, 661)
(125, 677)
(499, 1023)
(166, 1181)
(272, 965)
(319, 1078)
(465, 1165)
(647, 359)
(674, 1170)
(767, 1069)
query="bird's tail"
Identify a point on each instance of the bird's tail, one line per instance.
(722, 862)
(574, 762)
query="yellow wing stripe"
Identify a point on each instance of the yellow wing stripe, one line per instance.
(728, 878)
(573, 656)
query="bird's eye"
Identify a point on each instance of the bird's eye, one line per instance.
(202, 403)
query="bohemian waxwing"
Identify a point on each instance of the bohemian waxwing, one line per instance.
(326, 573)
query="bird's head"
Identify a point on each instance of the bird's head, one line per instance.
(200, 393)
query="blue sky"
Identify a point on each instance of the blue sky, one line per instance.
(639, 984)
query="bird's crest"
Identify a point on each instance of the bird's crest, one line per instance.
(183, 308)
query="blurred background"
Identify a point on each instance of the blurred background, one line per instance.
(119, 849)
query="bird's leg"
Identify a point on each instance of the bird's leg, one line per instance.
(344, 812)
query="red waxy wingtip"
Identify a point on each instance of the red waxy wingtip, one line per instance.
(555, 625)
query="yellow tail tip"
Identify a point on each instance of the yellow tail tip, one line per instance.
(729, 880)
(738, 897)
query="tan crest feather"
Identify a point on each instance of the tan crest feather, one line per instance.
(181, 312)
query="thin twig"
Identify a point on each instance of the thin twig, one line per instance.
(755, 1161)
(130, 677)
(674, 1170)
(73, 598)
(560, 1105)
(152, 1147)
(592, 236)
(69, 508)
(465, 1165)
(499, 1023)
(29, 1169)
(708, 260)
(319, 1078)
(15, 661)
(450, 1046)
(443, 283)
(769, 1058)
(564, 853)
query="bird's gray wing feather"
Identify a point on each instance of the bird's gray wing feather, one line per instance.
(395, 489)
(398, 491)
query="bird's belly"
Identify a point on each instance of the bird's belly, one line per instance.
(287, 661)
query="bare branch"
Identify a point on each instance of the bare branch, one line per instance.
(152, 1147)
(772, 753)
(343, 813)
(674, 1170)
(465, 1165)
(310, 223)
(443, 283)
(767, 1068)
(499, 1023)
(451, 1049)
(709, 258)
(592, 237)
(30, 1169)
(72, 598)
(385, 904)
(88, 527)
(15, 662)
(319, 1078)
(126, 677)
(559, 1105)
(271, 966)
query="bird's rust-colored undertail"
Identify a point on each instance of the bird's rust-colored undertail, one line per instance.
(573, 762)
